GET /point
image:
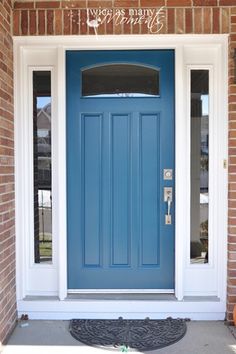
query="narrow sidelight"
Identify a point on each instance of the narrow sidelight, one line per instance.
(199, 165)
(42, 167)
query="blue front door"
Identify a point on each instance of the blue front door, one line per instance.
(119, 142)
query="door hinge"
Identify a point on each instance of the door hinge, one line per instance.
(225, 163)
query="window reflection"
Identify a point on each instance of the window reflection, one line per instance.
(42, 167)
(199, 165)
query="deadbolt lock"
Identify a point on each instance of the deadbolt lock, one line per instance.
(168, 174)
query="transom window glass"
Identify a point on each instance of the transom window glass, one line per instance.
(42, 167)
(120, 80)
(199, 165)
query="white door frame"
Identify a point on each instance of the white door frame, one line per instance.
(191, 51)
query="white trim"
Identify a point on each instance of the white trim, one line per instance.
(121, 291)
(113, 309)
(25, 49)
(181, 230)
(61, 192)
(203, 279)
(36, 278)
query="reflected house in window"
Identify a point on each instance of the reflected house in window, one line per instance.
(44, 146)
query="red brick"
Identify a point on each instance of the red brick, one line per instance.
(225, 20)
(126, 3)
(231, 299)
(233, 19)
(83, 22)
(204, 2)
(32, 26)
(179, 21)
(226, 2)
(23, 5)
(50, 22)
(70, 4)
(232, 89)
(58, 22)
(144, 28)
(47, 4)
(99, 4)
(232, 107)
(177, 3)
(216, 20)
(24, 22)
(41, 22)
(127, 26)
(108, 28)
(67, 21)
(171, 20)
(231, 290)
(16, 23)
(118, 29)
(75, 22)
(232, 186)
(232, 169)
(232, 159)
(152, 3)
(207, 20)
(188, 21)
(198, 21)
(232, 248)
(232, 98)
(233, 28)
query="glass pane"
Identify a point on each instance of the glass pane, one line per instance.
(120, 80)
(199, 165)
(42, 167)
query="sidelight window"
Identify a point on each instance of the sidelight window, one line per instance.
(42, 167)
(199, 165)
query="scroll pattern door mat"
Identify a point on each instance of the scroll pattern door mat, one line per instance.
(125, 335)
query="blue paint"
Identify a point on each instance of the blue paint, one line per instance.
(117, 149)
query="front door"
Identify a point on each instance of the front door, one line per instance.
(120, 159)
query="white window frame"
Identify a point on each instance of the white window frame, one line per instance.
(50, 52)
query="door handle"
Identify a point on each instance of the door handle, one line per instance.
(168, 205)
(168, 197)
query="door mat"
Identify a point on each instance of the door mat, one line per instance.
(128, 335)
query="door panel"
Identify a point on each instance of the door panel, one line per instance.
(117, 148)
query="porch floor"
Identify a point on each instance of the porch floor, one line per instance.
(53, 337)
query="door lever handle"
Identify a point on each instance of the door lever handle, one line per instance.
(168, 199)
(168, 205)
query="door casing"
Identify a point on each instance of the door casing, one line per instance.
(191, 51)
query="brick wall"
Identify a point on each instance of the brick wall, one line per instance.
(182, 16)
(69, 17)
(7, 230)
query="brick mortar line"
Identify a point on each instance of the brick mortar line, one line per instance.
(9, 275)
(8, 258)
(13, 192)
(8, 238)
(4, 214)
(7, 92)
(9, 228)
(10, 119)
(12, 298)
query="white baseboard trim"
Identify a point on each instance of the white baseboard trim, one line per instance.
(92, 309)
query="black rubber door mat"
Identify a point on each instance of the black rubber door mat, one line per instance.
(128, 335)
